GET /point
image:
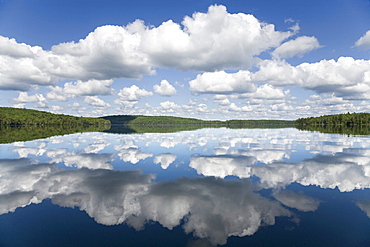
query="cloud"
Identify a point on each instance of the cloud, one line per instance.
(202, 108)
(222, 82)
(130, 96)
(106, 53)
(221, 100)
(56, 94)
(266, 92)
(85, 88)
(133, 93)
(364, 41)
(23, 66)
(169, 106)
(10, 47)
(96, 102)
(211, 41)
(23, 73)
(165, 89)
(346, 77)
(297, 47)
(25, 98)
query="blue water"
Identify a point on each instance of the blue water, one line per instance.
(247, 187)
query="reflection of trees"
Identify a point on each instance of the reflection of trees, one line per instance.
(211, 208)
(28, 133)
(339, 129)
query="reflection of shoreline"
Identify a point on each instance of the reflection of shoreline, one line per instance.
(362, 130)
(78, 172)
(28, 133)
(211, 208)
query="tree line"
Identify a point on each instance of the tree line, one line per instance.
(136, 120)
(26, 117)
(348, 119)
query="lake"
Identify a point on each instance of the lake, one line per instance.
(205, 187)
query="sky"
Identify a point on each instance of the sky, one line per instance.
(206, 59)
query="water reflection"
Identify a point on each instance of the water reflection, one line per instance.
(211, 208)
(183, 178)
(346, 170)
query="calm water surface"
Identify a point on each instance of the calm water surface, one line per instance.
(233, 187)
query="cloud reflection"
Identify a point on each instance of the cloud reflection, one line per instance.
(128, 151)
(365, 207)
(208, 207)
(347, 170)
(88, 160)
(299, 201)
(211, 208)
(165, 160)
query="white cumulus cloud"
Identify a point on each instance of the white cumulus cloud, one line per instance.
(133, 93)
(25, 98)
(10, 47)
(169, 106)
(364, 41)
(130, 96)
(96, 102)
(165, 88)
(107, 52)
(222, 82)
(88, 88)
(297, 47)
(211, 41)
(346, 77)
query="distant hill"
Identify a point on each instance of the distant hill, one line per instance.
(154, 120)
(136, 120)
(27, 117)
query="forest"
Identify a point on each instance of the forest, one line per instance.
(135, 121)
(27, 117)
(348, 119)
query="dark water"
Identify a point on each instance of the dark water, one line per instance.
(233, 187)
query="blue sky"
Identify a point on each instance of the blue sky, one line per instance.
(205, 59)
